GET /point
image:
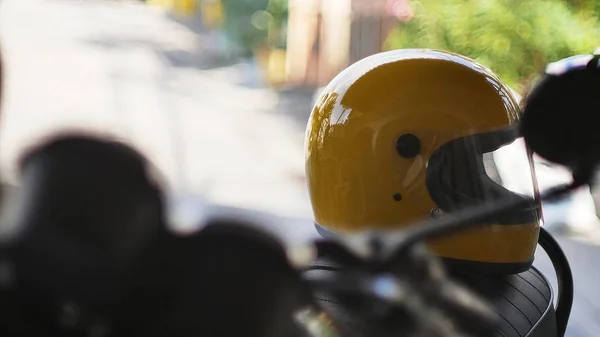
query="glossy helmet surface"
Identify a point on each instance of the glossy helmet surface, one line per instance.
(408, 134)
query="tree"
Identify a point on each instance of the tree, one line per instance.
(515, 38)
(253, 23)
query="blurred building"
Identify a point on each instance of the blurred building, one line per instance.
(306, 44)
(325, 36)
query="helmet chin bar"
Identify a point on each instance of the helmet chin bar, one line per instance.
(396, 242)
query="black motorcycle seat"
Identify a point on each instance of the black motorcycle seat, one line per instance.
(524, 301)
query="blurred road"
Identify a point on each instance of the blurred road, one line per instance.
(126, 69)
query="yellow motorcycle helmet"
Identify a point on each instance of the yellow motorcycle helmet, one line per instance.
(411, 134)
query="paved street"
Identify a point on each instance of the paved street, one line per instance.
(126, 69)
(129, 70)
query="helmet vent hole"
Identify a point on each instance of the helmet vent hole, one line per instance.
(408, 145)
(397, 196)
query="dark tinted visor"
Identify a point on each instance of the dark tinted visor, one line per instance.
(484, 168)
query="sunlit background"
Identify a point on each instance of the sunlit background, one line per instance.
(217, 92)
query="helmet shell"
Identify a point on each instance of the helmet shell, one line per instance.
(392, 127)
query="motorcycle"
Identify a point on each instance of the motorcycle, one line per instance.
(86, 250)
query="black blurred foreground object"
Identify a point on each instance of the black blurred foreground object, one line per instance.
(85, 252)
(84, 215)
(561, 113)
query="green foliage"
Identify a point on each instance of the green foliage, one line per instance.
(515, 38)
(253, 23)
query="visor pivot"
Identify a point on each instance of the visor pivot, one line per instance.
(408, 146)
